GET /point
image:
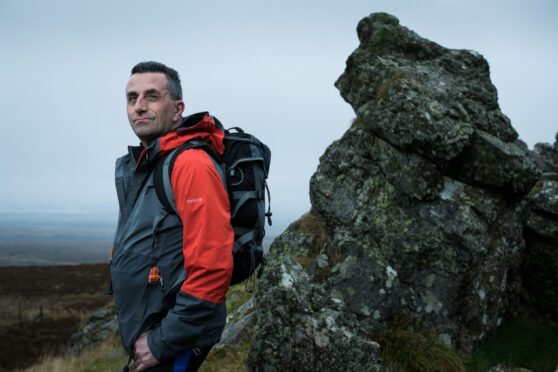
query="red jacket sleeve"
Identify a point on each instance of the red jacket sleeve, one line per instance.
(203, 206)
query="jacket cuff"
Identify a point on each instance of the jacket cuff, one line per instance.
(157, 346)
(192, 321)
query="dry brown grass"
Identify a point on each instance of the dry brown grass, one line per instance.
(107, 356)
(403, 351)
(312, 224)
(358, 123)
(41, 307)
(383, 91)
(228, 359)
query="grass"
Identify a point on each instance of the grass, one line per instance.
(237, 296)
(22, 344)
(404, 351)
(42, 306)
(529, 344)
(312, 224)
(358, 123)
(107, 356)
(233, 359)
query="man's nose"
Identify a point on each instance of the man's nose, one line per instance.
(140, 105)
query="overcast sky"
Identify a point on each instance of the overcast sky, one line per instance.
(267, 66)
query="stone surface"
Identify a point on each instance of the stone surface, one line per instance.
(442, 258)
(491, 162)
(301, 328)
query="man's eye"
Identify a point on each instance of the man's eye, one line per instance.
(152, 97)
(132, 100)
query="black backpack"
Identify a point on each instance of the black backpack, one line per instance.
(243, 167)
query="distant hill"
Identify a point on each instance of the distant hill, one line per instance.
(61, 238)
(54, 238)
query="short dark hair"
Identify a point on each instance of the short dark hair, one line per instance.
(173, 79)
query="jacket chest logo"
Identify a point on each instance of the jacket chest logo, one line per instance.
(194, 200)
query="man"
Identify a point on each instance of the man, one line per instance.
(170, 272)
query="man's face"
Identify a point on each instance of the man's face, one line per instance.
(151, 110)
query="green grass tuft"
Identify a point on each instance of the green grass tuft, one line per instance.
(358, 123)
(237, 296)
(528, 344)
(228, 359)
(419, 351)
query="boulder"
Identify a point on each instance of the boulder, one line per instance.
(97, 329)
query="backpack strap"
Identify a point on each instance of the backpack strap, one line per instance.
(245, 236)
(163, 172)
(159, 180)
(163, 189)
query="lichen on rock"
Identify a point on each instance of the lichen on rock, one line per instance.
(301, 328)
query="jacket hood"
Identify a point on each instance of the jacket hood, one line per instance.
(200, 126)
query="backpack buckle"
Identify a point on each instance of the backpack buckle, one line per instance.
(154, 276)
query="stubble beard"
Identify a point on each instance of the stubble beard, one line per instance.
(147, 132)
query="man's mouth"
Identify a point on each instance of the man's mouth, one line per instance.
(141, 120)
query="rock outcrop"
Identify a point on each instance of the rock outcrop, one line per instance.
(97, 329)
(418, 213)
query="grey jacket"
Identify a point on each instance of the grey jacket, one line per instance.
(146, 235)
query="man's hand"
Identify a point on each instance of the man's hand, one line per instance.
(143, 358)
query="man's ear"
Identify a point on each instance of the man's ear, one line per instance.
(179, 106)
